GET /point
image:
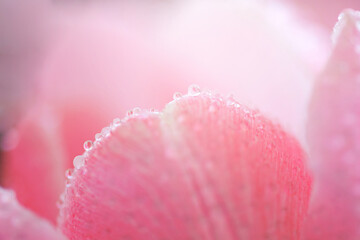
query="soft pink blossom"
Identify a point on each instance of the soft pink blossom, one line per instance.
(204, 167)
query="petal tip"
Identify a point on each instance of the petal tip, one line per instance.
(348, 24)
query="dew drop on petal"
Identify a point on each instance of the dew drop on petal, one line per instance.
(136, 110)
(116, 122)
(246, 111)
(105, 131)
(67, 182)
(78, 162)
(177, 96)
(88, 145)
(97, 136)
(60, 201)
(194, 90)
(129, 113)
(68, 173)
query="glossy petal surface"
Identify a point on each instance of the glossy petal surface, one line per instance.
(17, 223)
(206, 168)
(334, 138)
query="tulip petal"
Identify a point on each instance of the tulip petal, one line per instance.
(17, 223)
(33, 162)
(334, 138)
(205, 168)
(321, 12)
(250, 173)
(224, 43)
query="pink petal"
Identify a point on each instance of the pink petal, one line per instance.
(17, 223)
(323, 12)
(142, 53)
(334, 138)
(205, 168)
(96, 69)
(33, 162)
(259, 52)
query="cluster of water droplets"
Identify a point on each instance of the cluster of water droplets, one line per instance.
(89, 145)
(195, 90)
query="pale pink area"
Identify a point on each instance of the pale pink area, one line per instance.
(258, 52)
(18, 223)
(204, 168)
(23, 31)
(98, 68)
(108, 58)
(334, 138)
(323, 12)
(33, 162)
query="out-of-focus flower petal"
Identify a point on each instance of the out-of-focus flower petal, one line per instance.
(96, 70)
(17, 223)
(257, 51)
(334, 138)
(106, 56)
(33, 162)
(23, 33)
(323, 12)
(205, 168)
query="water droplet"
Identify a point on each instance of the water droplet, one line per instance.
(136, 110)
(98, 136)
(88, 145)
(78, 162)
(105, 131)
(69, 173)
(67, 182)
(177, 96)
(246, 111)
(60, 201)
(194, 90)
(116, 122)
(229, 103)
(129, 113)
(341, 16)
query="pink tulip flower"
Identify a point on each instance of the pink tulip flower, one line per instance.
(206, 166)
